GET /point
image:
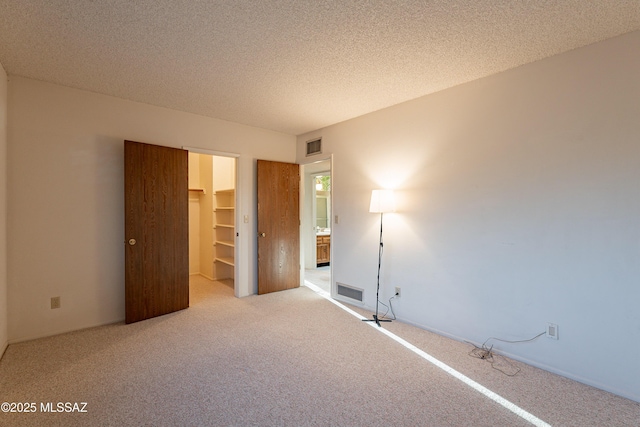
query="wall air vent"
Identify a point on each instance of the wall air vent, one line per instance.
(314, 147)
(350, 292)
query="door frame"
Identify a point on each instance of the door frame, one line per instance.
(306, 224)
(238, 209)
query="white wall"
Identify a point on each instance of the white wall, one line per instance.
(4, 329)
(194, 214)
(65, 198)
(519, 204)
(224, 173)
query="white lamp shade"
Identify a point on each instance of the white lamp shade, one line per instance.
(382, 201)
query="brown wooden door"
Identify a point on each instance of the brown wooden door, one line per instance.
(278, 226)
(156, 230)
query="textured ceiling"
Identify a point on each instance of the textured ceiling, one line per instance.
(291, 65)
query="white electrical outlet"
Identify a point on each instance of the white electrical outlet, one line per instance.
(398, 291)
(552, 331)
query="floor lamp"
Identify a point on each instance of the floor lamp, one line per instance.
(382, 201)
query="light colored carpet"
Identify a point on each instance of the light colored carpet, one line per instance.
(321, 277)
(285, 359)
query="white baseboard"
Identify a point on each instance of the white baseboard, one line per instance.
(3, 349)
(66, 331)
(203, 275)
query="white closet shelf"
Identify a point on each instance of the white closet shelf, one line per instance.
(225, 260)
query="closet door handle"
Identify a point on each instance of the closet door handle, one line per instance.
(132, 242)
(262, 234)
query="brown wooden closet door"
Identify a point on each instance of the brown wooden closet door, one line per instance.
(156, 231)
(278, 226)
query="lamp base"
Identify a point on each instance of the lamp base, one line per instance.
(377, 320)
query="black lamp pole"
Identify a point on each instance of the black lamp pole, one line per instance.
(375, 316)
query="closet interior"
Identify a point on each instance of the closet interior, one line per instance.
(212, 233)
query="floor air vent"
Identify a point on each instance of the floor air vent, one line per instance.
(314, 147)
(350, 292)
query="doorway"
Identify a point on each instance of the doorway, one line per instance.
(317, 225)
(212, 217)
